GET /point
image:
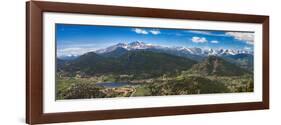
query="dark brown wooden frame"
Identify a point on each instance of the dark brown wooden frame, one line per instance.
(34, 61)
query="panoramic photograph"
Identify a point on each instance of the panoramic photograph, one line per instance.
(94, 61)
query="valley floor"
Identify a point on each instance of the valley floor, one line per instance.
(126, 86)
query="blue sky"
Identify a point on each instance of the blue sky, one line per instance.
(78, 39)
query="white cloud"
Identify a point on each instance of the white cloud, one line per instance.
(140, 31)
(145, 32)
(196, 39)
(200, 32)
(73, 51)
(214, 41)
(247, 48)
(209, 33)
(247, 37)
(242, 36)
(155, 32)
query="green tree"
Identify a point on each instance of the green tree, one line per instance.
(83, 90)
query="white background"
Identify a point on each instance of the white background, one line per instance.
(12, 64)
(51, 106)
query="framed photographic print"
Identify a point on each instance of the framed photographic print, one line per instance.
(95, 62)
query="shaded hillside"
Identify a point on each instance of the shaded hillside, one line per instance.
(181, 53)
(129, 62)
(245, 61)
(152, 62)
(195, 85)
(119, 51)
(213, 65)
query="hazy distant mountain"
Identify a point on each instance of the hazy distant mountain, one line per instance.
(214, 65)
(68, 57)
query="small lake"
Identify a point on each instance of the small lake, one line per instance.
(112, 84)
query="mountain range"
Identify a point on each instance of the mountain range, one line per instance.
(147, 60)
(241, 58)
(194, 52)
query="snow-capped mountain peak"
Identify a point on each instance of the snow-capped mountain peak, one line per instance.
(137, 45)
(130, 46)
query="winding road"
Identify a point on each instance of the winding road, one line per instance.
(134, 91)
